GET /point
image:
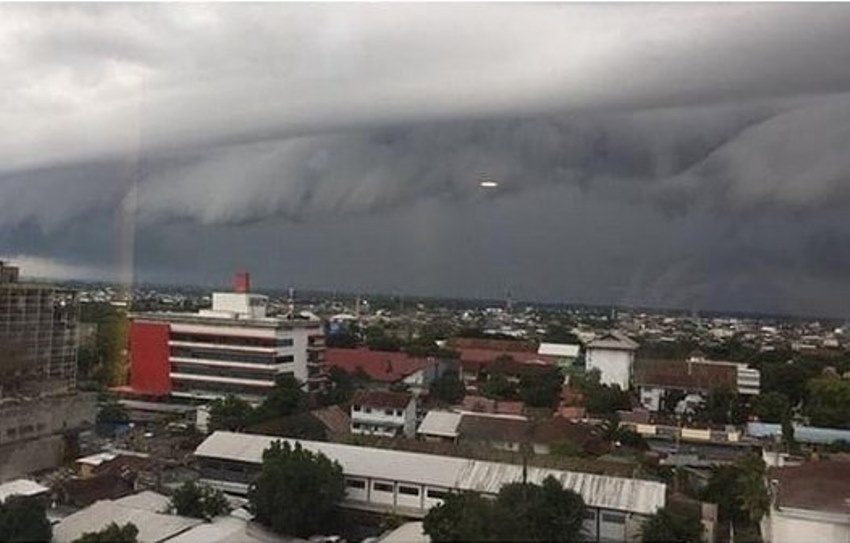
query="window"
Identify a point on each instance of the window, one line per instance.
(614, 518)
(355, 408)
(367, 409)
(399, 412)
(409, 490)
(388, 412)
(355, 483)
(436, 494)
(382, 487)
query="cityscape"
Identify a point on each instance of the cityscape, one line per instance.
(409, 273)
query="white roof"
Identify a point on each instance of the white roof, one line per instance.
(147, 500)
(97, 459)
(409, 532)
(153, 527)
(613, 340)
(20, 487)
(558, 349)
(634, 495)
(228, 529)
(440, 423)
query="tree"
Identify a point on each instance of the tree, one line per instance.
(199, 501)
(520, 512)
(340, 387)
(788, 434)
(24, 519)
(448, 388)
(771, 406)
(230, 413)
(461, 517)
(828, 402)
(297, 490)
(498, 387)
(722, 406)
(113, 533)
(541, 390)
(752, 493)
(286, 398)
(112, 412)
(667, 526)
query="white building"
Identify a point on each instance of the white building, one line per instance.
(440, 426)
(409, 484)
(565, 354)
(383, 413)
(613, 354)
(233, 348)
(810, 502)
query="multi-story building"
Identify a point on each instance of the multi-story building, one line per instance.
(233, 348)
(38, 335)
(383, 413)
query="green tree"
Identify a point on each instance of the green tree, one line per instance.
(297, 490)
(771, 406)
(113, 533)
(722, 406)
(752, 492)
(112, 412)
(286, 398)
(462, 517)
(24, 519)
(788, 434)
(340, 387)
(199, 501)
(498, 387)
(828, 402)
(448, 388)
(230, 413)
(667, 526)
(541, 390)
(547, 512)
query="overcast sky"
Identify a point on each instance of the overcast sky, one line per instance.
(687, 155)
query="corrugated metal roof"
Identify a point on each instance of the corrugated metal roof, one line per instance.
(558, 349)
(153, 527)
(20, 487)
(635, 495)
(440, 423)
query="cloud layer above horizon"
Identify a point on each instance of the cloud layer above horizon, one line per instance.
(719, 131)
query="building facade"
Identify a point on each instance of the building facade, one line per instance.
(409, 484)
(233, 348)
(382, 413)
(38, 335)
(613, 354)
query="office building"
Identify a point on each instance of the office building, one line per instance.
(233, 348)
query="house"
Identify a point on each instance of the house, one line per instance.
(503, 433)
(481, 404)
(388, 367)
(383, 413)
(328, 423)
(655, 379)
(809, 502)
(439, 426)
(613, 354)
(564, 354)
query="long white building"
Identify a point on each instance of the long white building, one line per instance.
(409, 484)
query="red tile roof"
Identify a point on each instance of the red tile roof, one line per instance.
(819, 486)
(381, 399)
(684, 375)
(488, 356)
(498, 345)
(487, 405)
(387, 367)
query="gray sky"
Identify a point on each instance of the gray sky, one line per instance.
(690, 155)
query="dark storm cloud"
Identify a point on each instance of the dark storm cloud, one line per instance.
(694, 125)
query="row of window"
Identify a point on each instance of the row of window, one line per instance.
(374, 428)
(251, 358)
(232, 340)
(388, 412)
(217, 388)
(407, 490)
(217, 371)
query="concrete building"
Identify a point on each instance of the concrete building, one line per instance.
(655, 379)
(613, 354)
(408, 484)
(38, 335)
(383, 413)
(564, 354)
(233, 348)
(439, 426)
(809, 502)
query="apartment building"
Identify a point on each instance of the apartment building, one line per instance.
(383, 413)
(233, 348)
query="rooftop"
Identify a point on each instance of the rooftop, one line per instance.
(440, 423)
(21, 487)
(614, 341)
(387, 367)
(559, 349)
(605, 491)
(823, 485)
(381, 398)
(685, 375)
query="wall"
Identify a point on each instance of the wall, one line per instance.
(615, 366)
(149, 352)
(784, 526)
(30, 419)
(26, 457)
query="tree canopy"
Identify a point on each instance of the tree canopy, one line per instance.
(771, 406)
(668, 526)
(520, 512)
(113, 533)
(828, 401)
(297, 490)
(448, 388)
(24, 519)
(199, 501)
(230, 413)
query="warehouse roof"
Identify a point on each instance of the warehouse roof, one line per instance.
(440, 423)
(634, 495)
